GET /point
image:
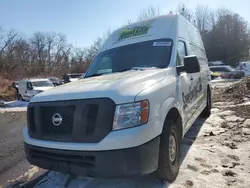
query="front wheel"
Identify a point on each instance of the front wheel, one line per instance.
(169, 156)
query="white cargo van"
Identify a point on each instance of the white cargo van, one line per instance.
(31, 87)
(141, 94)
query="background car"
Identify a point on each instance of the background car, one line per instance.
(31, 87)
(71, 77)
(225, 72)
(55, 81)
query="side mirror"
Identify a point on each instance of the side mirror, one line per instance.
(180, 69)
(191, 64)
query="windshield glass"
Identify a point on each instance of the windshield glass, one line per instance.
(230, 68)
(42, 84)
(53, 79)
(155, 53)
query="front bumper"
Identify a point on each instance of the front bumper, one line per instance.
(112, 163)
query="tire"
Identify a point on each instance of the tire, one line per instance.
(207, 110)
(169, 165)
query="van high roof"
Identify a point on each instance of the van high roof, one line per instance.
(165, 26)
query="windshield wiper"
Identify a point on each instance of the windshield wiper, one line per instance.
(136, 68)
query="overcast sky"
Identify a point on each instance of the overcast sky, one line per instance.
(82, 21)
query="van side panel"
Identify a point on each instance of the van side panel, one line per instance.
(190, 34)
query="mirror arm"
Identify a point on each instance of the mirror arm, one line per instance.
(180, 69)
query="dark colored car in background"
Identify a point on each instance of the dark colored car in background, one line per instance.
(225, 71)
(71, 77)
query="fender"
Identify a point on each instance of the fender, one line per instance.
(167, 105)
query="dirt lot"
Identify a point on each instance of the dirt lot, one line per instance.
(14, 168)
(11, 127)
(215, 151)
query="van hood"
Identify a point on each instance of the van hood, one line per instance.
(42, 88)
(120, 87)
(73, 79)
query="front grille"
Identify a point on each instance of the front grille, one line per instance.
(31, 119)
(66, 126)
(92, 116)
(88, 120)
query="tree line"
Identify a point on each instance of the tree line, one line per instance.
(226, 37)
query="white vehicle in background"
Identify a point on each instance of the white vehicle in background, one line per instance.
(28, 88)
(141, 94)
(55, 81)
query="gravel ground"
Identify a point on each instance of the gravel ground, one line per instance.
(11, 127)
(11, 144)
(14, 168)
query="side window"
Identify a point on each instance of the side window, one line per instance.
(29, 85)
(181, 52)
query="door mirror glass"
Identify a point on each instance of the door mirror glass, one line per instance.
(191, 64)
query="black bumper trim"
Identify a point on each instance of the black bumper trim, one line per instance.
(113, 163)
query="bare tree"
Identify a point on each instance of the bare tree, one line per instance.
(185, 11)
(229, 39)
(93, 50)
(203, 17)
(149, 13)
(51, 43)
(6, 41)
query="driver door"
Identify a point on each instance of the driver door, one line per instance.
(185, 83)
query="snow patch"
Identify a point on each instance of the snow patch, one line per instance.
(14, 106)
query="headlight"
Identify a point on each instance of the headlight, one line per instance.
(130, 115)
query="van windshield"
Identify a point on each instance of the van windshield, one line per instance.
(42, 84)
(155, 53)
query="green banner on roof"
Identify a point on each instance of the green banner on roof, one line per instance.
(136, 31)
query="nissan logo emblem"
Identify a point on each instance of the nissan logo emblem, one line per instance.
(57, 119)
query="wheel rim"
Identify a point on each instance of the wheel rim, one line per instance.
(172, 147)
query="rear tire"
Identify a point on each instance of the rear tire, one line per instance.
(169, 156)
(207, 111)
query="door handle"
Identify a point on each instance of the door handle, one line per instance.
(191, 78)
(25, 91)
